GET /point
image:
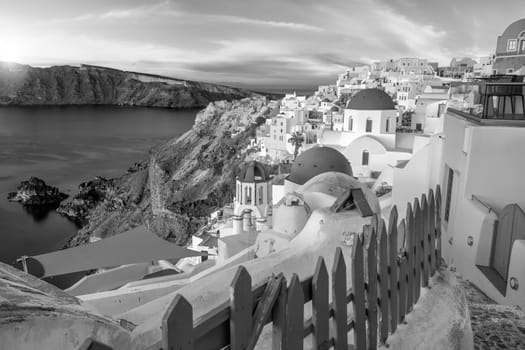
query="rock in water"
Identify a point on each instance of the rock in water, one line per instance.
(90, 194)
(36, 192)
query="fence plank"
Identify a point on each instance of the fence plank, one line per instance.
(410, 256)
(294, 315)
(403, 284)
(241, 309)
(320, 316)
(177, 325)
(424, 244)
(392, 258)
(279, 319)
(339, 300)
(402, 298)
(90, 344)
(264, 308)
(371, 256)
(383, 289)
(358, 287)
(418, 224)
(432, 230)
(438, 225)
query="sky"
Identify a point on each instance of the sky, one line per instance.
(265, 44)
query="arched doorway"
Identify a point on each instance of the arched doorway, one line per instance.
(511, 226)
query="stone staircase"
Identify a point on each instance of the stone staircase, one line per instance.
(494, 326)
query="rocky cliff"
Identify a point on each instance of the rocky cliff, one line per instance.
(183, 180)
(67, 85)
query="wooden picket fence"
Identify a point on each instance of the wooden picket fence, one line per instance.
(386, 282)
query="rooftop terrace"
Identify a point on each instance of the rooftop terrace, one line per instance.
(498, 100)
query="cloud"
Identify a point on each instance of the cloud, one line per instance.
(124, 13)
(265, 23)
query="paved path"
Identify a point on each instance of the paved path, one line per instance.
(494, 326)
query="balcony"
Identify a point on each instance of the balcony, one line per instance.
(496, 99)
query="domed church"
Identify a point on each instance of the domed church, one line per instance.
(368, 134)
(253, 190)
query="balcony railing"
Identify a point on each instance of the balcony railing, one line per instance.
(498, 97)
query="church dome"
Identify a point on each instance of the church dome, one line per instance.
(515, 28)
(253, 172)
(371, 99)
(316, 161)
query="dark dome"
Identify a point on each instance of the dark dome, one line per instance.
(253, 172)
(316, 161)
(371, 99)
(515, 28)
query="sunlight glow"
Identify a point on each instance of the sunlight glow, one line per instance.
(9, 52)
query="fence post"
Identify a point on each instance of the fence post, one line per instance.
(294, 315)
(425, 247)
(432, 230)
(371, 256)
(177, 325)
(320, 315)
(409, 229)
(418, 225)
(339, 300)
(383, 288)
(279, 319)
(392, 258)
(438, 225)
(358, 287)
(241, 309)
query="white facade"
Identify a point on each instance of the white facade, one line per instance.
(479, 168)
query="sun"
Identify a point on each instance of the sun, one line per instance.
(9, 52)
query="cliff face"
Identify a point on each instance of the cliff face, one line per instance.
(183, 180)
(66, 85)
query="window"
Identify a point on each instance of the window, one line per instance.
(368, 125)
(261, 195)
(351, 124)
(512, 44)
(523, 45)
(387, 125)
(248, 195)
(450, 183)
(509, 70)
(365, 157)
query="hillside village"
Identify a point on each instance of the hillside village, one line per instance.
(374, 151)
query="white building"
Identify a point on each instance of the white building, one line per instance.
(406, 95)
(292, 101)
(430, 108)
(367, 135)
(478, 161)
(353, 79)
